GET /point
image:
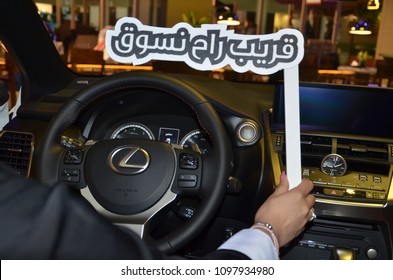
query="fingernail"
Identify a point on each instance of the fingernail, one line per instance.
(283, 175)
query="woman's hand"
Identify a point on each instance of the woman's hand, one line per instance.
(287, 211)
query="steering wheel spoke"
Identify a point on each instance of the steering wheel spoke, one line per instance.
(139, 223)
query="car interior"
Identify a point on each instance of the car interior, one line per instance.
(216, 148)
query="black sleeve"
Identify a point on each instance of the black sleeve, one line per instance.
(38, 222)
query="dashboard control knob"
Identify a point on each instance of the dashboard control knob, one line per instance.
(234, 185)
(247, 132)
(372, 253)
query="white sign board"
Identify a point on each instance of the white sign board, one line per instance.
(211, 47)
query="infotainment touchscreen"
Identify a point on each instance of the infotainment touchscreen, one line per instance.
(344, 109)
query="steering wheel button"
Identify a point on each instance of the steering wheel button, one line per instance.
(188, 161)
(187, 181)
(187, 184)
(70, 175)
(71, 172)
(73, 156)
(187, 177)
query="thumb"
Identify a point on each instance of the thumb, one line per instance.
(306, 187)
(283, 187)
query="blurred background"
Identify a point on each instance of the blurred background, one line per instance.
(345, 41)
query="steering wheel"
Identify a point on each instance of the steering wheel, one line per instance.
(131, 181)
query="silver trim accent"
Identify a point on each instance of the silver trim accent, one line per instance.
(133, 168)
(247, 125)
(138, 222)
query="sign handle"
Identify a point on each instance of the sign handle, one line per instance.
(292, 126)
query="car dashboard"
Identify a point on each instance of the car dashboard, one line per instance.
(346, 144)
(147, 114)
(349, 160)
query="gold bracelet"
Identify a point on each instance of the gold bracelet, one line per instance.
(269, 230)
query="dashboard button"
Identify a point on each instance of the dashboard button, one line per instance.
(370, 195)
(377, 179)
(333, 192)
(363, 178)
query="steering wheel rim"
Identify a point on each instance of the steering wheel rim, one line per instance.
(218, 166)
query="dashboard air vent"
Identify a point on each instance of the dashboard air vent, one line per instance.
(316, 145)
(355, 149)
(362, 149)
(16, 151)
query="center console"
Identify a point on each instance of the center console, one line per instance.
(347, 151)
(344, 168)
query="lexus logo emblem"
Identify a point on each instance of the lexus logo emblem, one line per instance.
(129, 160)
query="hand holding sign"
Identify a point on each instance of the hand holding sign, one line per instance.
(211, 47)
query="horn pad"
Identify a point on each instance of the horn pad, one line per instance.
(128, 176)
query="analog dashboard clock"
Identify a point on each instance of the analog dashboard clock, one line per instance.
(334, 165)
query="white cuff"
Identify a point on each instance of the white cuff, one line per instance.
(253, 243)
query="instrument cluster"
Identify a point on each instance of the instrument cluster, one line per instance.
(194, 139)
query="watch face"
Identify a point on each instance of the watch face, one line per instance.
(334, 165)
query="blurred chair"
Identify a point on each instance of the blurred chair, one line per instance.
(82, 52)
(308, 68)
(325, 51)
(385, 71)
(65, 34)
(85, 41)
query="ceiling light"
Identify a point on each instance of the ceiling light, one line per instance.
(373, 5)
(228, 19)
(360, 28)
